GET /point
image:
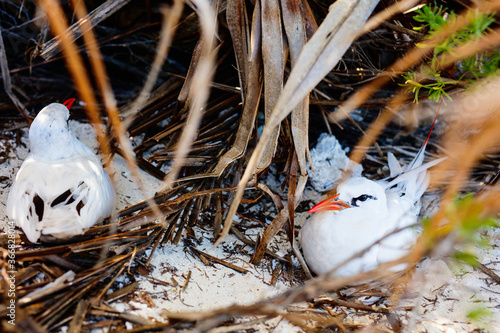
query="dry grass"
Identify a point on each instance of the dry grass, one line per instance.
(205, 119)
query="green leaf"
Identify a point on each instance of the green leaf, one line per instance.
(479, 314)
(466, 257)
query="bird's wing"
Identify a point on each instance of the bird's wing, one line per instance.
(412, 173)
(25, 209)
(62, 198)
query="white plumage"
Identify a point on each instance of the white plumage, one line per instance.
(362, 212)
(61, 188)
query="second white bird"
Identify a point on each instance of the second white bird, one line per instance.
(362, 212)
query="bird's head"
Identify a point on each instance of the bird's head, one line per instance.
(355, 193)
(49, 132)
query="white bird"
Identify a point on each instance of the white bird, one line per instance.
(61, 188)
(361, 213)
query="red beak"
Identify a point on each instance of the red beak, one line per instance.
(331, 203)
(69, 103)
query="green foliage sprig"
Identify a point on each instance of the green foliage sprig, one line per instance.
(434, 18)
(435, 88)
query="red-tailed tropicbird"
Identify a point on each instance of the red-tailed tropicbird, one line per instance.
(362, 212)
(61, 188)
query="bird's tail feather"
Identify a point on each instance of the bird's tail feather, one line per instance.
(412, 179)
(412, 174)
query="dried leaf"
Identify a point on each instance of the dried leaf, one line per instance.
(199, 88)
(273, 57)
(296, 36)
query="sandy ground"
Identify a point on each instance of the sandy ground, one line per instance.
(444, 294)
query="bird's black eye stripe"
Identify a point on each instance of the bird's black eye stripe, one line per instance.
(363, 197)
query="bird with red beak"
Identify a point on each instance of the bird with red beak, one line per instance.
(347, 232)
(61, 188)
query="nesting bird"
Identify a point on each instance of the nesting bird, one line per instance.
(361, 213)
(61, 188)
